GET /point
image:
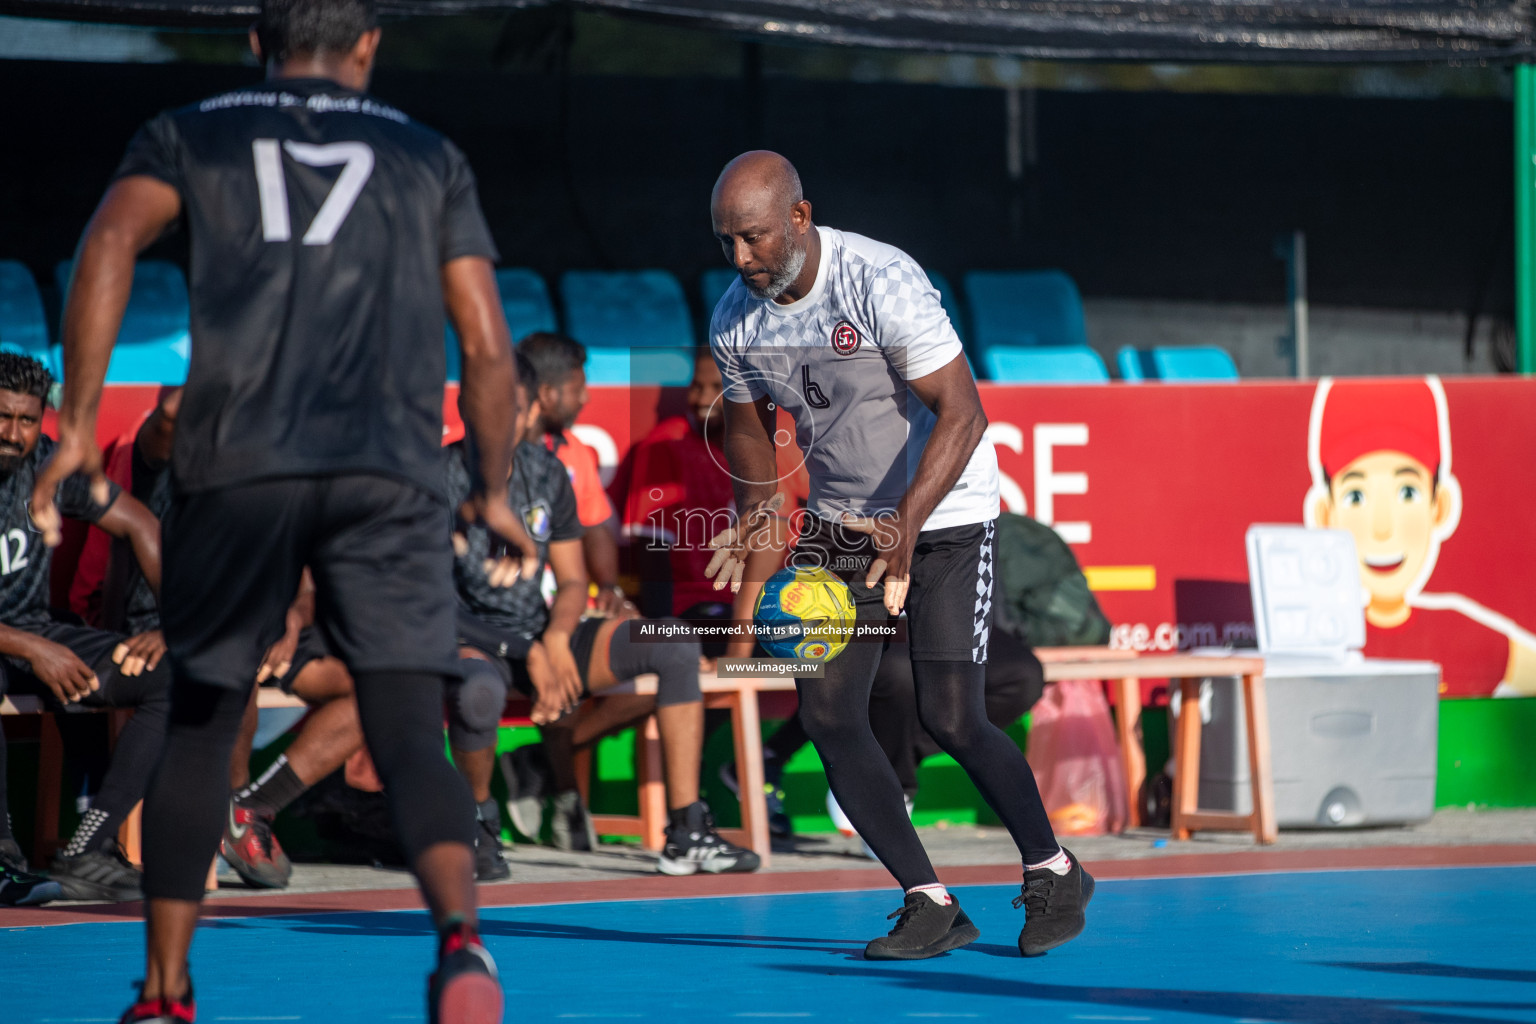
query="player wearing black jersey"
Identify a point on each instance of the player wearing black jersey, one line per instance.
(509, 637)
(328, 231)
(70, 664)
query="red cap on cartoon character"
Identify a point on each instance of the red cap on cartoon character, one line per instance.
(1372, 416)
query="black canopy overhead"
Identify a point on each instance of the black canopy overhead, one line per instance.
(1230, 31)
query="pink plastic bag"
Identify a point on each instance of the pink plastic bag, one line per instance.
(1076, 760)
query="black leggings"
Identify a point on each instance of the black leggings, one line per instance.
(402, 714)
(1014, 682)
(951, 706)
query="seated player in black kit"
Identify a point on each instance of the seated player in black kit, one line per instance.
(509, 637)
(299, 663)
(72, 665)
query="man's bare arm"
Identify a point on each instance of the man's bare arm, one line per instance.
(128, 519)
(485, 396)
(134, 212)
(950, 392)
(754, 478)
(749, 451)
(157, 434)
(570, 569)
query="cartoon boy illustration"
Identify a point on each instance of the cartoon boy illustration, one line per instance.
(1380, 454)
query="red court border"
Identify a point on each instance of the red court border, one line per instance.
(523, 894)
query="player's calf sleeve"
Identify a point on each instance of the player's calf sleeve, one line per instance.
(402, 714)
(474, 705)
(674, 660)
(188, 797)
(134, 757)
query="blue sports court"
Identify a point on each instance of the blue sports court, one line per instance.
(1438, 946)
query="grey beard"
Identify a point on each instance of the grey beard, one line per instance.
(783, 278)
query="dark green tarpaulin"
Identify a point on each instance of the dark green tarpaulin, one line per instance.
(1235, 31)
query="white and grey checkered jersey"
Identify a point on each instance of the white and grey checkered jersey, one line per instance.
(838, 360)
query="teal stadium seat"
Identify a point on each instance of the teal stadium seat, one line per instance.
(712, 285)
(626, 309)
(1182, 363)
(154, 344)
(1021, 308)
(524, 301)
(639, 366)
(1044, 364)
(23, 326)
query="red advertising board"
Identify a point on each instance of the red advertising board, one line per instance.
(1155, 485)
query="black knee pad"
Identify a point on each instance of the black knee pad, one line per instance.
(675, 661)
(474, 705)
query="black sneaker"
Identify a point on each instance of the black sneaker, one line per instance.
(924, 929)
(21, 888)
(1054, 906)
(490, 865)
(778, 820)
(693, 845)
(570, 825)
(464, 988)
(526, 773)
(98, 876)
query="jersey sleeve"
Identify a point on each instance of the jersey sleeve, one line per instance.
(75, 501)
(154, 152)
(464, 231)
(456, 475)
(910, 324)
(724, 330)
(565, 523)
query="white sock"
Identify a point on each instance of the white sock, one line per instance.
(935, 892)
(1061, 864)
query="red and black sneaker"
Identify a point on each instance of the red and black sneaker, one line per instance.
(253, 851)
(162, 1010)
(463, 989)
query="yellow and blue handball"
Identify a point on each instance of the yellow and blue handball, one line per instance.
(805, 613)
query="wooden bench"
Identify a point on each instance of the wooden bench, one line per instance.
(50, 769)
(737, 695)
(1126, 669)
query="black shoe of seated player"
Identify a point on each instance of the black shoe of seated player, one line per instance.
(490, 865)
(693, 845)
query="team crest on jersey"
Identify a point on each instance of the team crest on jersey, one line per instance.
(536, 519)
(845, 340)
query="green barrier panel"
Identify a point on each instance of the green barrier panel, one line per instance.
(1486, 746)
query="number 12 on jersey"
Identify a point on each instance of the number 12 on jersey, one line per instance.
(357, 158)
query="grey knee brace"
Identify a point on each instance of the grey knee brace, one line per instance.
(474, 705)
(675, 661)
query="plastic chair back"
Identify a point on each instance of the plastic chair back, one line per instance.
(626, 309)
(1055, 364)
(1023, 308)
(154, 344)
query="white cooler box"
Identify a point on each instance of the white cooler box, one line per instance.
(1353, 739)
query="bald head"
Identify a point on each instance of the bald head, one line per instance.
(759, 177)
(763, 222)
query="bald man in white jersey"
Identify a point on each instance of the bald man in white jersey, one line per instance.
(848, 335)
